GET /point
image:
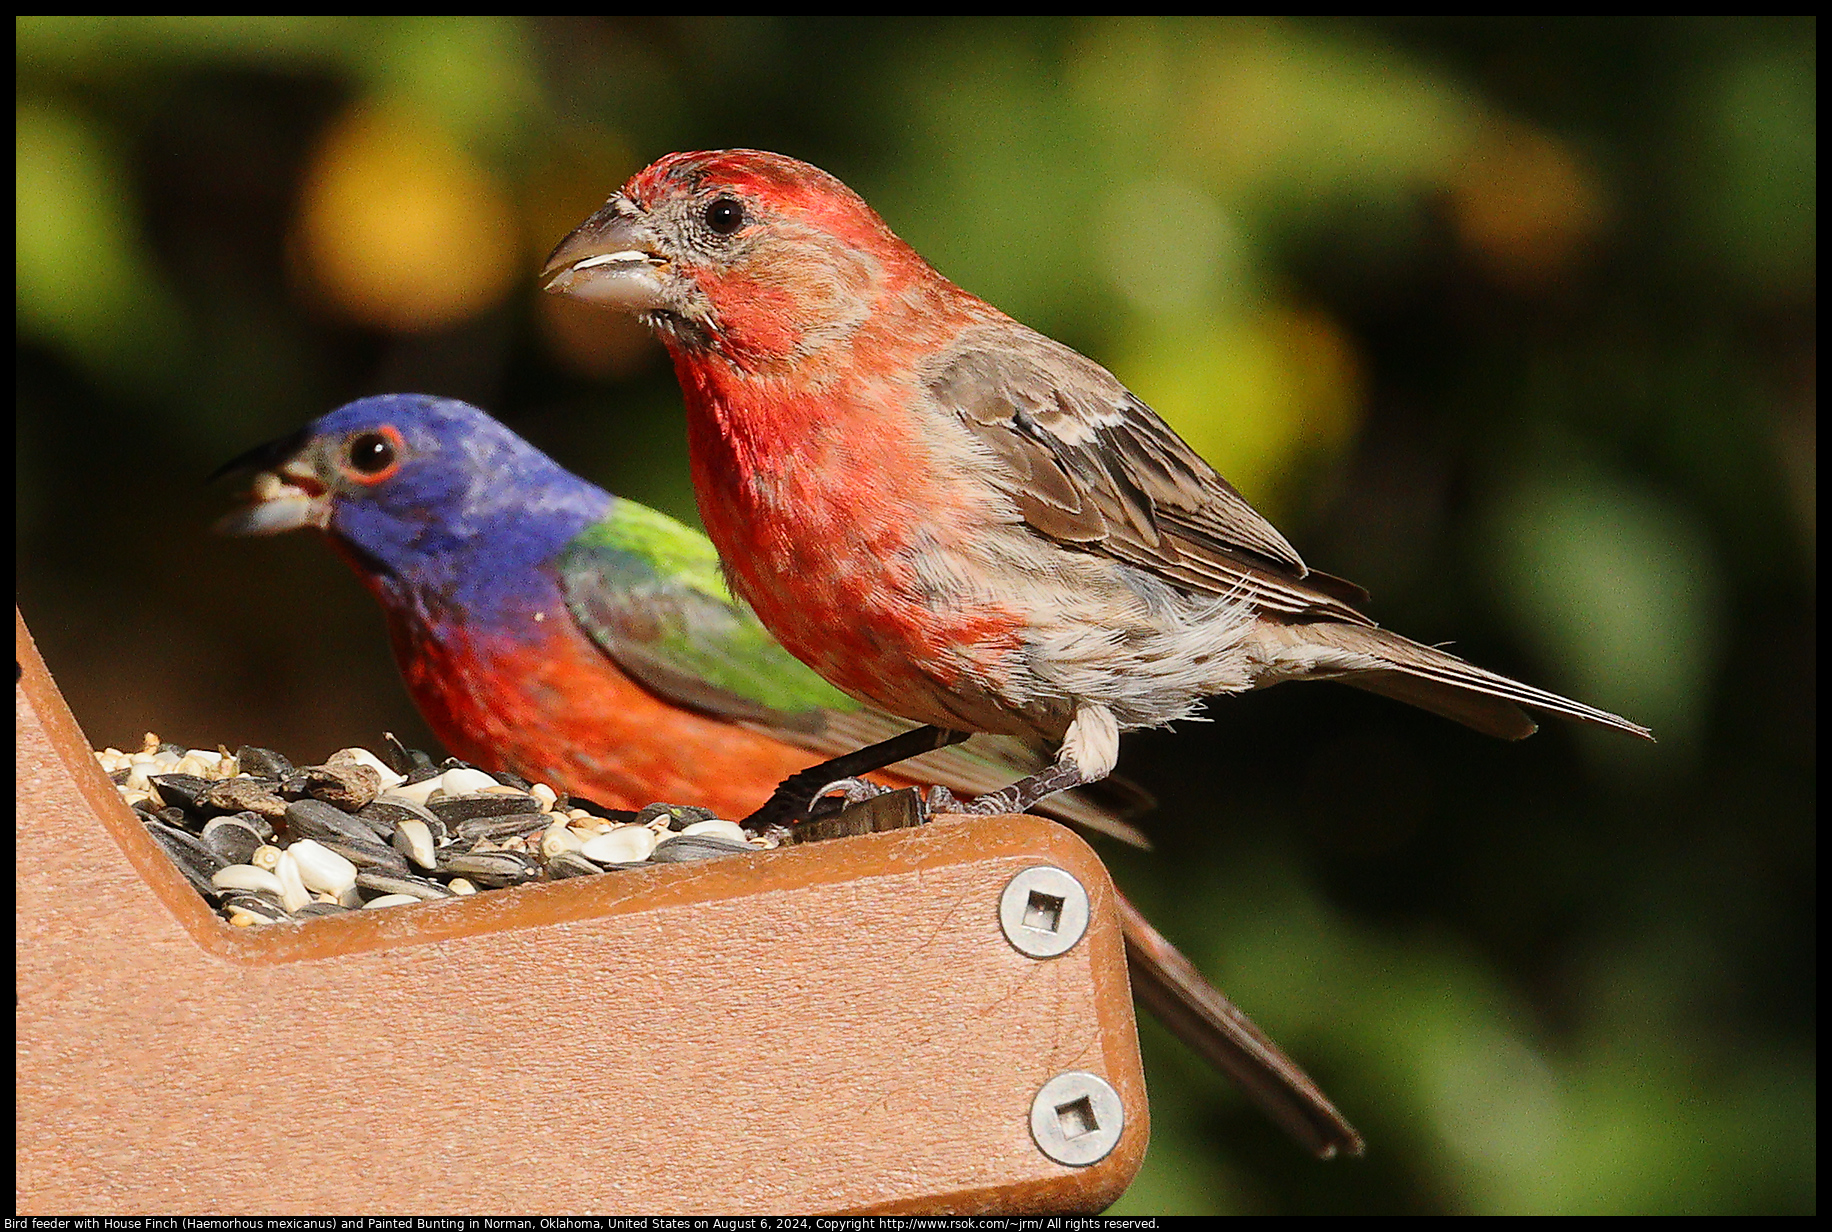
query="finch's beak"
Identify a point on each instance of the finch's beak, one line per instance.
(287, 496)
(611, 258)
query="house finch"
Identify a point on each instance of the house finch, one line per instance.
(952, 517)
(546, 627)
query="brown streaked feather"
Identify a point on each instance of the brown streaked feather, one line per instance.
(1440, 682)
(1089, 465)
(1489, 715)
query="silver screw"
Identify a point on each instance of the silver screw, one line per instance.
(1076, 1118)
(1044, 912)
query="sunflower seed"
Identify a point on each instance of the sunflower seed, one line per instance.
(455, 810)
(679, 816)
(389, 810)
(195, 860)
(391, 883)
(316, 819)
(254, 908)
(497, 829)
(413, 839)
(232, 839)
(367, 855)
(415, 790)
(462, 780)
(262, 763)
(254, 821)
(252, 880)
(559, 837)
(624, 845)
(683, 847)
(571, 864)
(322, 869)
(492, 868)
(181, 790)
(311, 910)
(293, 894)
(730, 831)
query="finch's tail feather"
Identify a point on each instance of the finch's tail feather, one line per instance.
(1444, 684)
(1197, 1013)
(1489, 715)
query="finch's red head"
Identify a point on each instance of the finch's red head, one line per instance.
(748, 254)
(770, 188)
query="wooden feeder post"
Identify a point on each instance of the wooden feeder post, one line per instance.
(836, 1027)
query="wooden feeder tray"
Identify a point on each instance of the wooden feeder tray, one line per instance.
(834, 1027)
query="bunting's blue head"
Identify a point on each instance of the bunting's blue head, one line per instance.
(419, 491)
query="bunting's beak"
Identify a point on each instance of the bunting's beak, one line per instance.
(286, 494)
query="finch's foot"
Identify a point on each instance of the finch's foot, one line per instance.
(941, 800)
(1016, 798)
(875, 810)
(852, 791)
(794, 794)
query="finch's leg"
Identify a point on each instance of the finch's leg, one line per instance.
(1016, 798)
(794, 794)
(1090, 748)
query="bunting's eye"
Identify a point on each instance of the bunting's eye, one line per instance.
(372, 456)
(725, 215)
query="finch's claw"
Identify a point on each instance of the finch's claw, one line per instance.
(853, 790)
(941, 800)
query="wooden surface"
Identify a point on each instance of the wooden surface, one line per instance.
(835, 1027)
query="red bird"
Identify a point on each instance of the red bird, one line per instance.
(952, 517)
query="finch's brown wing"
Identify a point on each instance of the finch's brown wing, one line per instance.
(1091, 466)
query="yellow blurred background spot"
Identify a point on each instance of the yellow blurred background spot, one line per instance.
(400, 227)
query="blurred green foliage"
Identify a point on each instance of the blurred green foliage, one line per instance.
(1512, 321)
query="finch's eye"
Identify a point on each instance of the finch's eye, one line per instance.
(725, 215)
(370, 457)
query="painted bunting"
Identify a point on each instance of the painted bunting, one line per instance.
(952, 517)
(546, 627)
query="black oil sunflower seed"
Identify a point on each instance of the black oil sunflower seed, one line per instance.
(684, 847)
(262, 763)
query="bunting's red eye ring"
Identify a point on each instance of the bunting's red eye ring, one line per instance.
(373, 455)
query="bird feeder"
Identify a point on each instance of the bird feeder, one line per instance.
(929, 1020)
